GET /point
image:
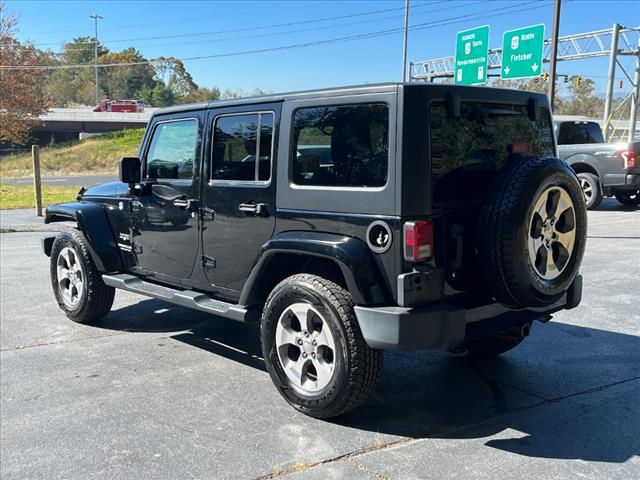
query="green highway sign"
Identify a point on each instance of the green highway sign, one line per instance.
(472, 56)
(522, 52)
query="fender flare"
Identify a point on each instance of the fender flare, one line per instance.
(584, 159)
(351, 255)
(93, 223)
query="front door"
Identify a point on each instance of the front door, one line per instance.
(239, 197)
(164, 212)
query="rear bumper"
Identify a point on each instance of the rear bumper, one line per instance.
(446, 325)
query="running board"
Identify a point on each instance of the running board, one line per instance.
(184, 298)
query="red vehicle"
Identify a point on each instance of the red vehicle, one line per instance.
(119, 106)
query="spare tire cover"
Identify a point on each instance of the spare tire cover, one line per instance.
(532, 232)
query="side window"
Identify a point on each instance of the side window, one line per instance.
(341, 146)
(173, 150)
(242, 146)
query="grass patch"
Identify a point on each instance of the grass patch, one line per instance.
(21, 196)
(98, 154)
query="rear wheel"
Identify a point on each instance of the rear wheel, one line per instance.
(590, 189)
(313, 347)
(628, 198)
(77, 284)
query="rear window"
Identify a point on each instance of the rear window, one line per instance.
(578, 133)
(478, 143)
(341, 146)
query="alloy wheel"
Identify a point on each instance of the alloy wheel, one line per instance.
(71, 277)
(552, 233)
(306, 348)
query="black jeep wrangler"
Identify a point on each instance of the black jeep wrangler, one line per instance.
(346, 221)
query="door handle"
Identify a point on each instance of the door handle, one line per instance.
(182, 203)
(254, 208)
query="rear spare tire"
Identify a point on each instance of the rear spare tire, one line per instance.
(532, 232)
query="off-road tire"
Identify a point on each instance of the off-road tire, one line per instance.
(503, 228)
(357, 367)
(592, 181)
(97, 298)
(628, 198)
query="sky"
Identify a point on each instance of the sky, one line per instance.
(187, 29)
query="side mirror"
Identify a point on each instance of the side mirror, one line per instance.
(130, 170)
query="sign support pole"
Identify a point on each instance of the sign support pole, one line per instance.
(554, 52)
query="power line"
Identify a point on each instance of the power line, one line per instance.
(287, 32)
(257, 27)
(420, 26)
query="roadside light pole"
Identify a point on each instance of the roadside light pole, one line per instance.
(554, 52)
(96, 17)
(406, 38)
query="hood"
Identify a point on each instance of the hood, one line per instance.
(110, 189)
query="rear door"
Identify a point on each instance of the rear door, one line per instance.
(238, 198)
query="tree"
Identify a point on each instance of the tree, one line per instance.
(22, 96)
(583, 100)
(158, 96)
(202, 94)
(70, 86)
(172, 72)
(125, 81)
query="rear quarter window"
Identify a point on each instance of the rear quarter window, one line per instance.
(341, 146)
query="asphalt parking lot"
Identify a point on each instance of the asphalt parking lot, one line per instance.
(158, 391)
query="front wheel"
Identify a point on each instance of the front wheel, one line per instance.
(628, 198)
(77, 284)
(313, 347)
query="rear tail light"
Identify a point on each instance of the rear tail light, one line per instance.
(629, 159)
(418, 240)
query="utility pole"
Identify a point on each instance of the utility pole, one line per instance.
(96, 17)
(608, 97)
(406, 38)
(554, 52)
(635, 101)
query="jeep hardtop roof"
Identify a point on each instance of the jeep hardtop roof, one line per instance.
(339, 91)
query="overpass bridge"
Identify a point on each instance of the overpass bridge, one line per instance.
(69, 123)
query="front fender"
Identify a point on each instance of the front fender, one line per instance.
(352, 256)
(93, 223)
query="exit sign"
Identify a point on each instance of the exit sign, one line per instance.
(522, 51)
(472, 56)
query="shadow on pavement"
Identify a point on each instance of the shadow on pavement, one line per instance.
(431, 394)
(612, 205)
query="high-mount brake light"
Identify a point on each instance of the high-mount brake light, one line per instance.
(629, 159)
(418, 240)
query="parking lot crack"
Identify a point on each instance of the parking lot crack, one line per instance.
(46, 344)
(347, 457)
